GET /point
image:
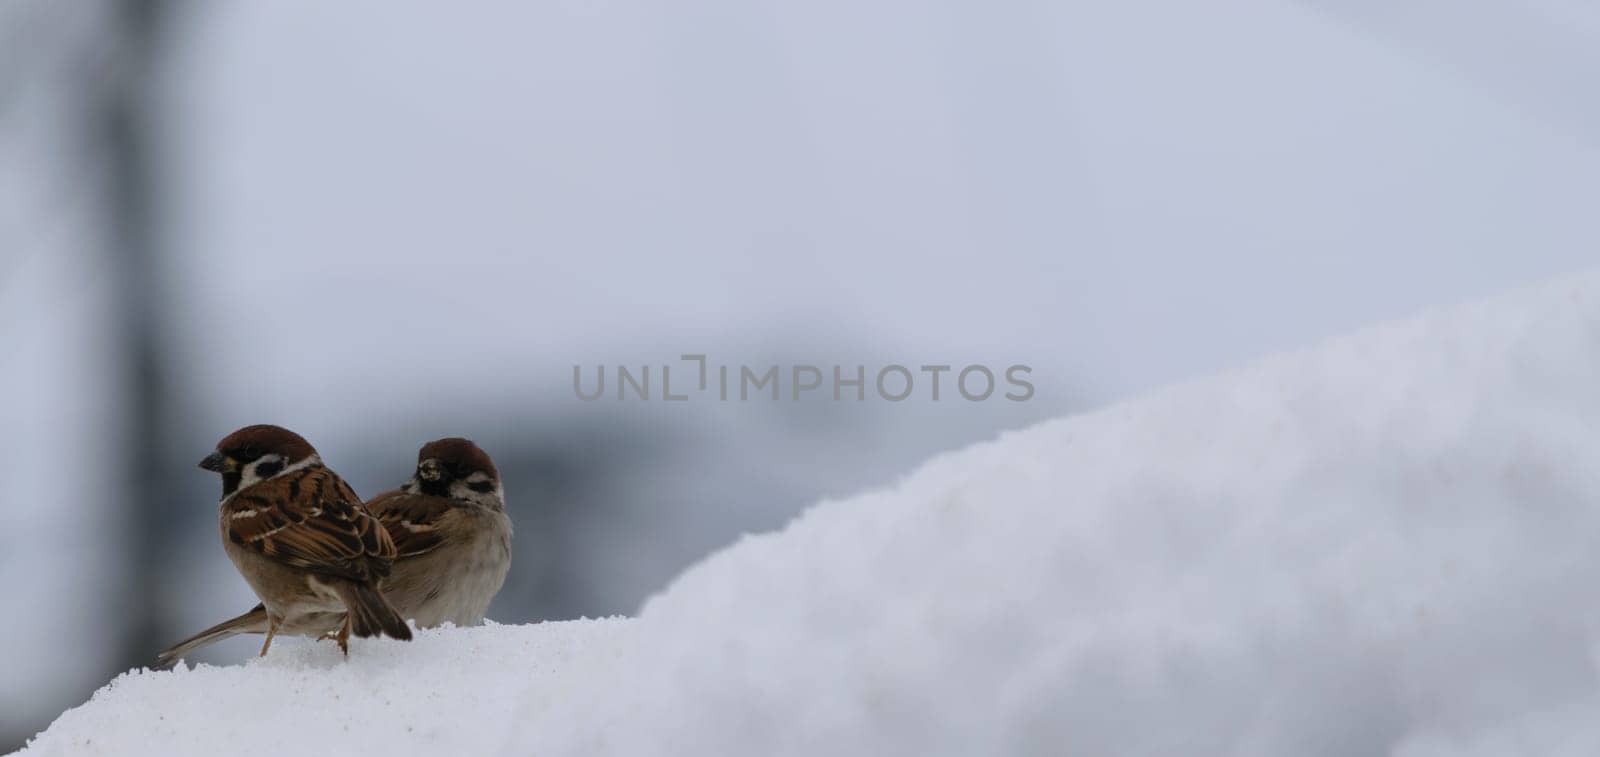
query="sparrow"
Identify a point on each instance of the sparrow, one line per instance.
(302, 539)
(451, 534)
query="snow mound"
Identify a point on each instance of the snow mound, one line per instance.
(1387, 545)
(449, 691)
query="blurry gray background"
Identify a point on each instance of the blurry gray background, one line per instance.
(379, 225)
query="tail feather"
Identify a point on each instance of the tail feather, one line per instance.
(254, 621)
(371, 614)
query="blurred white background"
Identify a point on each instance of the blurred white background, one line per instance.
(379, 225)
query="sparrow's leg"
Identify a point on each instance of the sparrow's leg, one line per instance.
(344, 636)
(272, 630)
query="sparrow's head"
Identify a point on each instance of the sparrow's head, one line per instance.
(257, 453)
(458, 469)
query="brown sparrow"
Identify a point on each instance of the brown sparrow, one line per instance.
(449, 525)
(303, 541)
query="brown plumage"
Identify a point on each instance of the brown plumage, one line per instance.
(310, 518)
(302, 539)
(415, 522)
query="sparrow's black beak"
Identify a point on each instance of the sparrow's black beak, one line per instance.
(214, 462)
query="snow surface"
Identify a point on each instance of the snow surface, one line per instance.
(1386, 545)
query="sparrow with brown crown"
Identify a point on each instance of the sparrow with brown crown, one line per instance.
(304, 542)
(452, 535)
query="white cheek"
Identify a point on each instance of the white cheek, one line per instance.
(248, 474)
(462, 490)
(252, 471)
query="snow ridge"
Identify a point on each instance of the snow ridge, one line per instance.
(1384, 545)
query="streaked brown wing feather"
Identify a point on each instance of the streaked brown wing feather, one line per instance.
(416, 522)
(310, 519)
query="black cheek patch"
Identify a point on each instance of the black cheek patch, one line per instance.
(268, 470)
(438, 487)
(481, 487)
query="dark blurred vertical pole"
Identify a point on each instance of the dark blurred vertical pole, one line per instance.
(127, 127)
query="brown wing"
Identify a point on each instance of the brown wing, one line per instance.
(310, 519)
(416, 522)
